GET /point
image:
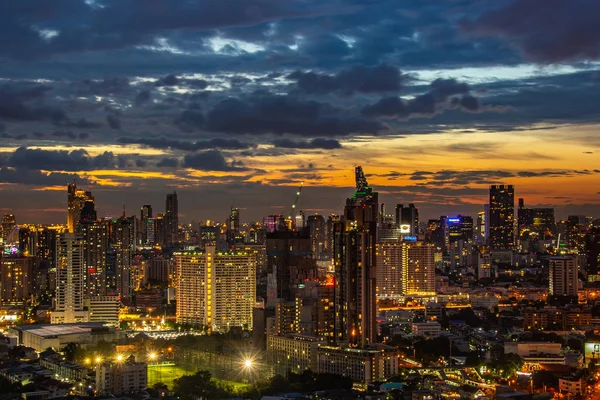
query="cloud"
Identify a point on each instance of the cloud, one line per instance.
(356, 79)
(164, 143)
(327, 144)
(552, 32)
(211, 160)
(169, 80)
(262, 113)
(142, 98)
(25, 158)
(26, 105)
(105, 87)
(427, 104)
(38, 178)
(168, 162)
(113, 122)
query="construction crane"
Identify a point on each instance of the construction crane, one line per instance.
(293, 212)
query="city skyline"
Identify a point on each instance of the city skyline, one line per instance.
(239, 108)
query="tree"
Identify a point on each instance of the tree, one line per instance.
(200, 384)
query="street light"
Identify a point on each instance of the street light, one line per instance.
(248, 363)
(98, 360)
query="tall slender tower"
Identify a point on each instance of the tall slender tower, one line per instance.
(355, 240)
(171, 218)
(70, 278)
(233, 227)
(145, 216)
(502, 217)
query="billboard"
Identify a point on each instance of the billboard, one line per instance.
(404, 228)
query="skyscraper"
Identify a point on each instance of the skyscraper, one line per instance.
(563, 276)
(407, 219)
(318, 233)
(147, 227)
(95, 235)
(355, 241)
(502, 216)
(217, 290)
(592, 250)
(172, 219)
(8, 223)
(233, 227)
(77, 201)
(70, 278)
(460, 228)
(124, 245)
(419, 269)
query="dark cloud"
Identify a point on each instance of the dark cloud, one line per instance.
(548, 32)
(57, 160)
(211, 160)
(105, 87)
(262, 113)
(82, 123)
(168, 162)
(169, 80)
(27, 105)
(164, 143)
(113, 122)
(427, 104)
(142, 98)
(38, 178)
(357, 79)
(326, 144)
(141, 163)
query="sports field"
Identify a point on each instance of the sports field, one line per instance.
(165, 374)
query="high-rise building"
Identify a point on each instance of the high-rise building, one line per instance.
(592, 251)
(407, 219)
(9, 222)
(273, 222)
(535, 224)
(286, 250)
(479, 236)
(17, 278)
(419, 269)
(147, 227)
(123, 244)
(95, 235)
(502, 217)
(318, 231)
(563, 276)
(233, 227)
(460, 228)
(70, 279)
(355, 241)
(216, 290)
(172, 219)
(390, 278)
(160, 230)
(77, 201)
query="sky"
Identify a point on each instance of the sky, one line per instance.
(234, 103)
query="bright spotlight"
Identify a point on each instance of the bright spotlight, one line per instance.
(119, 357)
(98, 360)
(248, 363)
(152, 356)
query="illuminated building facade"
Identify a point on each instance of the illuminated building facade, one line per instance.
(419, 265)
(121, 377)
(318, 236)
(460, 228)
(171, 220)
(354, 252)
(501, 216)
(407, 219)
(17, 277)
(390, 271)
(563, 276)
(217, 290)
(70, 281)
(147, 225)
(9, 222)
(77, 201)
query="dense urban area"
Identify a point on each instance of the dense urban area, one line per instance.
(373, 303)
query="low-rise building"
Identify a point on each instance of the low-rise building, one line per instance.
(570, 386)
(426, 329)
(361, 365)
(121, 377)
(40, 337)
(532, 349)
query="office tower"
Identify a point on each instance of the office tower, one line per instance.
(95, 235)
(331, 221)
(534, 224)
(158, 270)
(9, 222)
(460, 228)
(390, 279)
(563, 276)
(104, 309)
(272, 222)
(160, 230)
(70, 279)
(139, 266)
(575, 232)
(172, 219)
(479, 236)
(46, 247)
(17, 278)
(407, 219)
(257, 234)
(123, 244)
(27, 240)
(501, 216)
(216, 290)
(484, 266)
(147, 225)
(299, 220)
(592, 251)
(434, 233)
(419, 264)
(355, 240)
(318, 232)
(233, 227)
(285, 250)
(77, 200)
